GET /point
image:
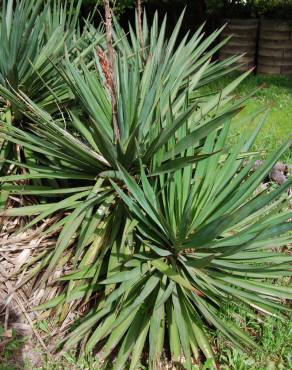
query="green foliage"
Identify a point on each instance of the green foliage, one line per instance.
(32, 40)
(34, 37)
(275, 92)
(118, 6)
(161, 221)
(10, 343)
(229, 8)
(250, 8)
(278, 9)
(276, 341)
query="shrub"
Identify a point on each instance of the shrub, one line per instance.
(275, 9)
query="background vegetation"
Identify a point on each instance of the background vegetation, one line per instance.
(198, 10)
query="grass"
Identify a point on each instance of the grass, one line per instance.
(10, 350)
(276, 336)
(274, 92)
(276, 342)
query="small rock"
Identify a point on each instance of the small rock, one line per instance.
(278, 176)
(279, 166)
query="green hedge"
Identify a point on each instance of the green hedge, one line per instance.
(218, 8)
(250, 8)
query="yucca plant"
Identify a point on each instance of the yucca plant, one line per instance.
(161, 221)
(34, 37)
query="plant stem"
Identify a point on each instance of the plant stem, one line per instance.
(111, 60)
(140, 33)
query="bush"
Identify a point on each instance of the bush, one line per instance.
(118, 6)
(250, 8)
(276, 9)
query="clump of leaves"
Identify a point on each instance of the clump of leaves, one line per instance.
(34, 38)
(161, 221)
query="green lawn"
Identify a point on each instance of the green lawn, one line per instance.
(275, 93)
